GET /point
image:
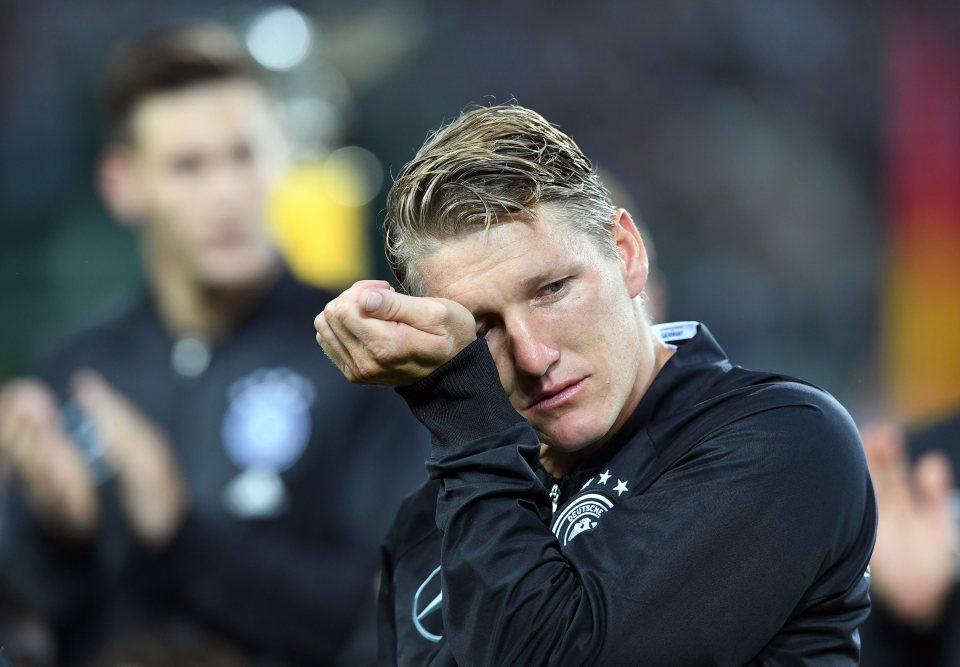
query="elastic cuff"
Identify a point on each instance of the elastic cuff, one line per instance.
(462, 400)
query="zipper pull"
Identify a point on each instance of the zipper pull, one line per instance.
(555, 496)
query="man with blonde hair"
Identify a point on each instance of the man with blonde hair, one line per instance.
(603, 491)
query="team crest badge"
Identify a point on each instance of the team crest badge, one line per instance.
(265, 431)
(581, 515)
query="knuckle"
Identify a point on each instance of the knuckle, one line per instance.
(432, 313)
(338, 309)
(438, 312)
(380, 353)
(393, 307)
(366, 370)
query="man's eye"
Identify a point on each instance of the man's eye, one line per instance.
(555, 287)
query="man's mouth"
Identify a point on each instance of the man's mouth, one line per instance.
(556, 395)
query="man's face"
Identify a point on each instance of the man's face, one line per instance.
(201, 162)
(560, 319)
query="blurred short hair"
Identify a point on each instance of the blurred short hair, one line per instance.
(168, 60)
(490, 165)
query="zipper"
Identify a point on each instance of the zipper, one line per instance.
(555, 496)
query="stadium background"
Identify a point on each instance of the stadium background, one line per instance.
(797, 162)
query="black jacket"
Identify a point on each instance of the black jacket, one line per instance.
(730, 521)
(292, 580)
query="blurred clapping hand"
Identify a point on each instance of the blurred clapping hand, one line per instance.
(55, 477)
(913, 568)
(49, 467)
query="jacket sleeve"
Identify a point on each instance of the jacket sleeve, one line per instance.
(705, 566)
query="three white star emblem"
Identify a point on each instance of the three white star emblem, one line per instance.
(620, 488)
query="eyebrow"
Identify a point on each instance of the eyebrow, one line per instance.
(544, 276)
(525, 285)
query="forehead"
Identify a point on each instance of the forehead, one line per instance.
(506, 257)
(199, 115)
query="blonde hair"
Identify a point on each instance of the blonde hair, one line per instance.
(490, 165)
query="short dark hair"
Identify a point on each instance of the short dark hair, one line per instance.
(167, 60)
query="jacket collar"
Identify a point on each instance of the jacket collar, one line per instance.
(697, 364)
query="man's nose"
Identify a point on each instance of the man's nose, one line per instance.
(228, 182)
(533, 353)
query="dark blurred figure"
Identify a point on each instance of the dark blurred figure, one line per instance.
(170, 466)
(27, 640)
(916, 613)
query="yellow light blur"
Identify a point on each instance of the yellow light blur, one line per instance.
(323, 240)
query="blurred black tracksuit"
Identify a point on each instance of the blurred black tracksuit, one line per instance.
(291, 586)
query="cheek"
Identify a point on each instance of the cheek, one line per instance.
(174, 198)
(504, 365)
(173, 221)
(606, 340)
(586, 327)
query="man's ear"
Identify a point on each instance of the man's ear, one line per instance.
(118, 185)
(631, 251)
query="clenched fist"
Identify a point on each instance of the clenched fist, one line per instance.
(377, 336)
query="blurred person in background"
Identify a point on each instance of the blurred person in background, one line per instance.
(916, 617)
(194, 462)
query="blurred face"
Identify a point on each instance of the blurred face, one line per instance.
(571, 345)
(200, 166)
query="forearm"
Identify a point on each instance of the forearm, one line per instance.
(509, 594)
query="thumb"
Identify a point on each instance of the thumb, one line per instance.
(422, 313)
